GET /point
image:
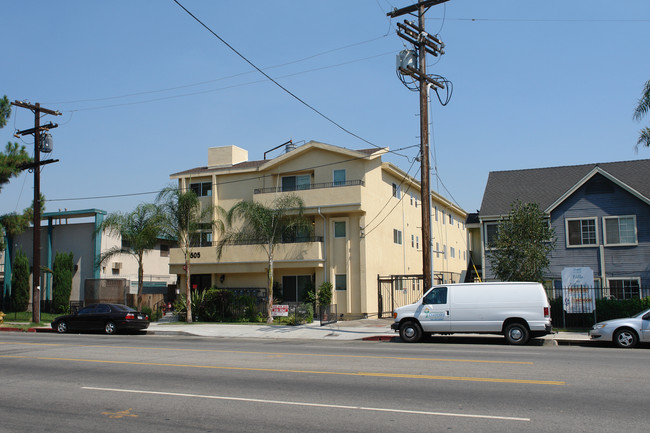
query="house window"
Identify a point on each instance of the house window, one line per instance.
(338, 177)
(412, 241)
(620, 230)
(339, 229)
(203, 189)
(442, 213)
(164, 250)
(452, 251)
(396, 191)
(417, 242)
(397, 236)
(341, 282)
(624, 288)
(294, 183)
(437, 250)
(581, 232)
(435, 210)
(451, 220)
(491, 233)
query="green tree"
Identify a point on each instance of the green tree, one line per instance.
(139, 231)
(20, 282)
(251, 222)
(642, 108)
(184, 218)
(523, 242)
(62, 270)
(14, 155)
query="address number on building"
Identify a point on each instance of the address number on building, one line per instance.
(196, 255)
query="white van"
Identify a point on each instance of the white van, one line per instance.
(519, 311)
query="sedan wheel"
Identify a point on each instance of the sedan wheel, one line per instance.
(625, 338)
(110, 328)
(62, 327)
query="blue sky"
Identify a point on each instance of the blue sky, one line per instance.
(145, 90)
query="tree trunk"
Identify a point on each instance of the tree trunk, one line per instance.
(140, 281)
(188, 293)
(269, 306)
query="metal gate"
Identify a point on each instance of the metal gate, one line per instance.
(397, 291)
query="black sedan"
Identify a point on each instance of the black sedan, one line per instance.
(109, 318)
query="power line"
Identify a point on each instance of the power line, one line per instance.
(276, 83)
(214, 185)
(542, 20)
(200, 83)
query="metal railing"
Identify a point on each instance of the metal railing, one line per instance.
(310, 186)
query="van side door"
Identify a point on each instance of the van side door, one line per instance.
(433, 314)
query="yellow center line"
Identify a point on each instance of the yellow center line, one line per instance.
(276, 370)
(398, 358)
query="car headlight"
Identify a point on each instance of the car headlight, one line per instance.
(599, 325)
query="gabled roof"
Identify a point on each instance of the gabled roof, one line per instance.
(264, 164)
(550, 186)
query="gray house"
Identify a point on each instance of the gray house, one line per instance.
(600, 214)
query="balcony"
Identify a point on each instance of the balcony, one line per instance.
(338, 193)
(311, 186)
(306, 253)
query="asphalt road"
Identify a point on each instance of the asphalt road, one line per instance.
(144, 383)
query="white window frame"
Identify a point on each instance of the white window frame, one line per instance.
(397, 237)
(619, 217)
(581, 245)
(486, 233)
(397, 193)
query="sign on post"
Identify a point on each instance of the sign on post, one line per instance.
(578, 290)
(280, 311)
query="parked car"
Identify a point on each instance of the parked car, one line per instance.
(624, 333)
(109, 318)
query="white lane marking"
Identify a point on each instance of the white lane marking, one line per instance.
(296, 403)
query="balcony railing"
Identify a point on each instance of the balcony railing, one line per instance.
(310, 186)
(297, 240)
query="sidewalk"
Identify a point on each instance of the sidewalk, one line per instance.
(364, 329)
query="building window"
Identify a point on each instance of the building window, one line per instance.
(620, 230)
(491, 233)
(437, 250)
(294, 287)
(164, 250)
(417, 242)
(452, 252)
(581, 232)
(339, 229)
(202, 238)
(341, 282)
(203, 189)
(396, 191)
(412, 241)
(338, 177)
(451, 219)
(397, 236)
(435, 211)
(442, 213)
(624, 288)
(296, 183)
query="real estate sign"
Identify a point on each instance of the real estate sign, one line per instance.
(578, 290)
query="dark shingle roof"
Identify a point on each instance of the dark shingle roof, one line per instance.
(546, 185)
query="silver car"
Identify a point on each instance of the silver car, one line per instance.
(624, 333)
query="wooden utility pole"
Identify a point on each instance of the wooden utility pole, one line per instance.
(36, 166)
(424, 43)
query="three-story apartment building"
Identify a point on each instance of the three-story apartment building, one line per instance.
(366, 219)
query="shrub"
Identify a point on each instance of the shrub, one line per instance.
(62, 271)
(20, 282)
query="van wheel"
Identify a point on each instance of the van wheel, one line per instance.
(410, 332)
(517, 334)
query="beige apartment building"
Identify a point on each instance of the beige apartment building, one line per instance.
(366, 218)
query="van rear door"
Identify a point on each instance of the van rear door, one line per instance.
(433, 314)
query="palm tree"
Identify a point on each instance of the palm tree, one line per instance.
(139, 230)
(265, 226)
(642, 108)
(184, 216)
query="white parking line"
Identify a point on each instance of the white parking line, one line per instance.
(296, 403)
